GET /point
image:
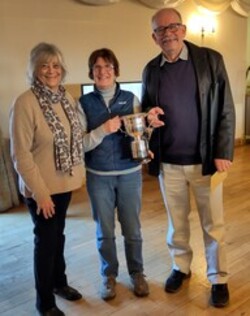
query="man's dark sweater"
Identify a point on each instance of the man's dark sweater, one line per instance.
(178, 98)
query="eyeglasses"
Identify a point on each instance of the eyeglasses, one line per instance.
(173, 27)
(107, 67)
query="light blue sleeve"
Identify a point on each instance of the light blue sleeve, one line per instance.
(93, 138)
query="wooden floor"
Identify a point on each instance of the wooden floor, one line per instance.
(17, 293)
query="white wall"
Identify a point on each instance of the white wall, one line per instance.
(124, 27)
(248, 53)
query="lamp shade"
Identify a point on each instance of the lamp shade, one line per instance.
(214, 6)
(242, 7)
(159, 4)
(99, 2)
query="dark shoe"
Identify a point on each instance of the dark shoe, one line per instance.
(219, 295)
(54, 311)
(140, 284)
(175, 280)
(108, 288)
(68, 293)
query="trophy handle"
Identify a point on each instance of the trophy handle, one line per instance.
(149, 130)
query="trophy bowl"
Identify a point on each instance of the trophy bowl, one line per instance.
(135, 126)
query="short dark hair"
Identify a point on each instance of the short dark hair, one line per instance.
(108, 55)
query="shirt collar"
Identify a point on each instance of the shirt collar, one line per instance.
(183, 56)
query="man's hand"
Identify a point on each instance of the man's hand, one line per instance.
(153, 118)
(151, 154)
(222, 164)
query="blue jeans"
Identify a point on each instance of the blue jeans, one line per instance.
(124, 193)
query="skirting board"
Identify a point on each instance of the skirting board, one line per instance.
(240, 142)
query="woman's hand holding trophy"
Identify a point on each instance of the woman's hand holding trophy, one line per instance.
(112, 125)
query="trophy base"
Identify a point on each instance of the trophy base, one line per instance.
(143, 160)
(140, 151)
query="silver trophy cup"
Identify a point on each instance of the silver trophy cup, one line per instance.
(135, 126)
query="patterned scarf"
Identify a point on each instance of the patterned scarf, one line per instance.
(67, 154)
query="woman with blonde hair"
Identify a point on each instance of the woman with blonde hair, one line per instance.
(46, 147)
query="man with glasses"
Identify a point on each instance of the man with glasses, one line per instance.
(189, 88)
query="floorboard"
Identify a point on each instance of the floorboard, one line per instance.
(17, 294)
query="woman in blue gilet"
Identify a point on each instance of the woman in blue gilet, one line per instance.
(114, 179)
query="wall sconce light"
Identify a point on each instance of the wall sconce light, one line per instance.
(207, 29)
(204, 25)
